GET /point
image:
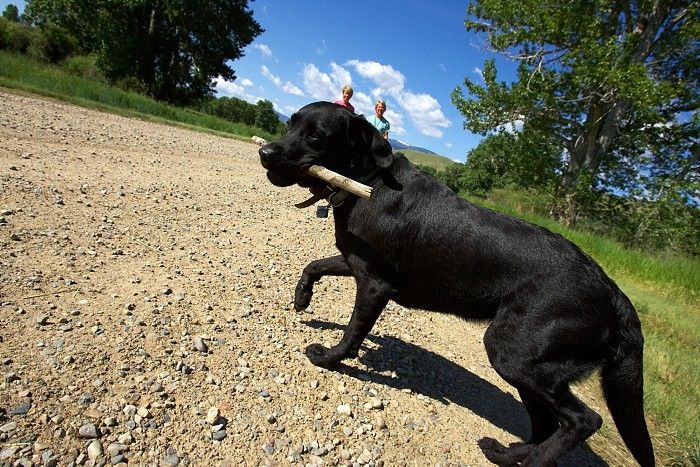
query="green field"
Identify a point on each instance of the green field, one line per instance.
(665, 290)
(427, 160)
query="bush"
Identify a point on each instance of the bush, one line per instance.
(133, 84)
(84, 66)
(17, 37)
(53, 44)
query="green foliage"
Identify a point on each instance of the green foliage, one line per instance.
(53, 44)
(11, 13)
(266, 117)
(21, 72)
(16, 37)
(174, 49)
(84, 66)
(231, 109)
(610, 85)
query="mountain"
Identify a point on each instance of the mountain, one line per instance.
(281, 118)
(401, 146)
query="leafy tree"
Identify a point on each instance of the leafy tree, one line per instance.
(175, 49)
(53, 44)
(613, 83)
(11, 13)
(266, 117)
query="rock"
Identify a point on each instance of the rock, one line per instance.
(200, 345)
(94, 449)
(89, 431)
(11, 376)
(8, 427)
(21, 409)
(218, 435)
(212, 415)
(344, 409)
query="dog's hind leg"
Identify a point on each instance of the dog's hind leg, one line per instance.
(525, 358)
(371, 298)
(543, 422)
(333, 266)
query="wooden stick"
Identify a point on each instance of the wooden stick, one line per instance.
(47, 294)
(340, 181)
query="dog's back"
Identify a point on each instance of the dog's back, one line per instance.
(479, 259)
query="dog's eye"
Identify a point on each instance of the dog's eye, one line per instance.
(314, 139)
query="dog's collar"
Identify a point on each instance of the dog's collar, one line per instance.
(334, 196)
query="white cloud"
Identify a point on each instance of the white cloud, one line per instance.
(448, 145)
(320, 85)
(423, 109)
(246, 82)
(390, 81)
(479, 72)
(232, 88)
(265, 50)
(287, 87)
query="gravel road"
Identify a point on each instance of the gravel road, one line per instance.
(146, 280)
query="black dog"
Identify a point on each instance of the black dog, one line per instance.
(555, 315)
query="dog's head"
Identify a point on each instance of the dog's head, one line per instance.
(328, 135)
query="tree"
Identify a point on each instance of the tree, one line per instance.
(175, 49)
(266, 117)
(11, 13)
(614, 83)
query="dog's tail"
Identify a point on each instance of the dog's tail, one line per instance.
(622, 382)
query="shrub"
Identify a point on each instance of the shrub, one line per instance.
(16, 37)
(53, 44)
(84, 66)
(132, 83)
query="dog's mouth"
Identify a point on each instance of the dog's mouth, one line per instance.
(279, 179)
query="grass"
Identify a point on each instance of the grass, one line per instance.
(665, 291)
(427, 160)
(22, 73)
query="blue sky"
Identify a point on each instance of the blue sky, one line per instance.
(411, 53)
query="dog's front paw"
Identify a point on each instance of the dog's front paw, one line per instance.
(502, 455)
(302, 296)
(321, 356)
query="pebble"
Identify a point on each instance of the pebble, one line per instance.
(11, 376)
(41, 319)
(218, 435)
(94, 450)
(8, 427)
(200, 345)
(89, 431)
(212, 415)
(344, 409)
(21, 409)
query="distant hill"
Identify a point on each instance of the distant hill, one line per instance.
(397, 145)
(433, 160)
(282, 118)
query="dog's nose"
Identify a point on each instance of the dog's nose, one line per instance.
(266, 153)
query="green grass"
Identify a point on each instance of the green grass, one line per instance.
(427, 160)
(665, 291)
(22, 73)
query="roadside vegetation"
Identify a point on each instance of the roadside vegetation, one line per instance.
(633, 205)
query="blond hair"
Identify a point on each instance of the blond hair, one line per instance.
(348, 88)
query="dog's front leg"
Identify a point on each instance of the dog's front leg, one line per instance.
(372, 296)
(333, 266)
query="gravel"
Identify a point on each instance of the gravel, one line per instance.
(146, 282)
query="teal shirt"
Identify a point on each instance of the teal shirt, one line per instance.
(381, 124)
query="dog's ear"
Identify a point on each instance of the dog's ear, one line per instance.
(364, 137)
